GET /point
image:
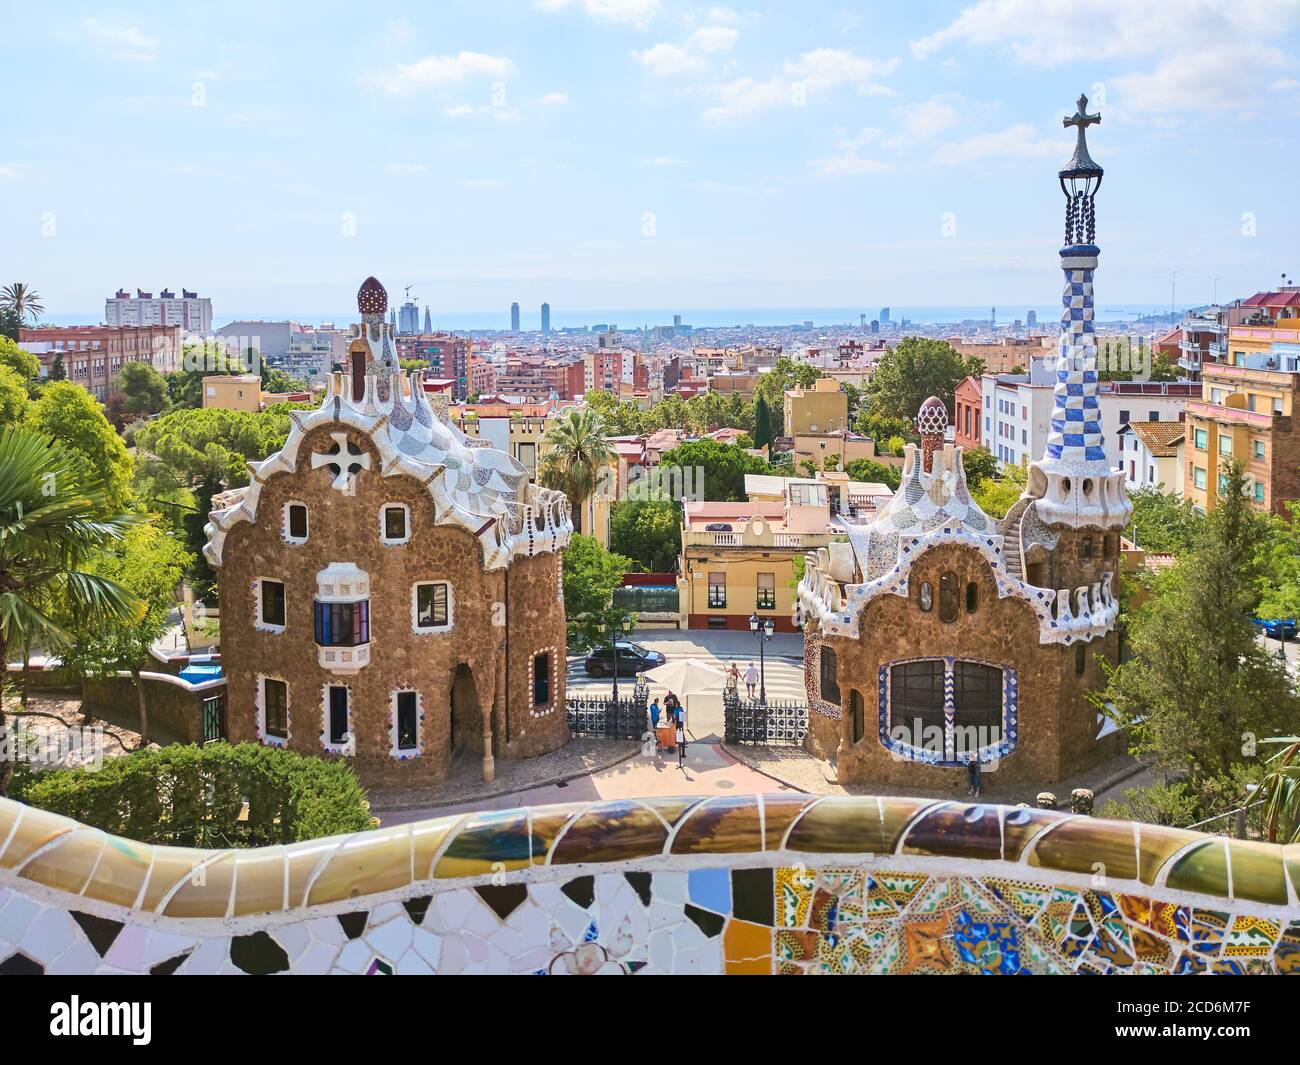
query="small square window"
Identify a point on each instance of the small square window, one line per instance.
(275, 708)
(271, 603)
(432, 605)
(395, 524)
(295, 522)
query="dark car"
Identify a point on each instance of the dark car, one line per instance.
(718, 526)
(1278, 628)
(632, 658)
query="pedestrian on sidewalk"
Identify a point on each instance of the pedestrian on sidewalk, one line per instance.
(654, 720)
(681, 742)
(751, 679)
(733, 677)
(973, 777)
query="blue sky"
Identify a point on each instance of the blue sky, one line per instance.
(642, 153)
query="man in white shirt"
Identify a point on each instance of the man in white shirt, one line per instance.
(751, 678)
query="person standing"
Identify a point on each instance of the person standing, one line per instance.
(973, 777)
(681, 739)
(751, 679)
(654, 720)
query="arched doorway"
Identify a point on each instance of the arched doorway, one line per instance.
(466, 732)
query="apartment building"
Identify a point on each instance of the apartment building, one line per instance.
(448, 357)
(1154, 456)
(188, 311)
(93, 355)
(1246, 412)
(823, 408)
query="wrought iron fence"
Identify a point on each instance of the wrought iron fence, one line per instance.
(607, 718)
(776, 722)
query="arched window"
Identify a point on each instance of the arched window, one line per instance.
(948, 607)
(830, 685)
(926, 596)
(1085, 547)
(972, 597)
(857, 715)
(944, 711)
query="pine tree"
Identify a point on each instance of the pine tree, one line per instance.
(763, 434)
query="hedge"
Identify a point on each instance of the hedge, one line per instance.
(190, 796)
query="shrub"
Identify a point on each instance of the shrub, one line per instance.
(192, 796)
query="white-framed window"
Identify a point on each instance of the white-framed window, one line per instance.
(431, 606)
(336, 719)
(543, 681)
(270, 605)
(394, 523)
(272, 702)
(405, 723)
(295, 522)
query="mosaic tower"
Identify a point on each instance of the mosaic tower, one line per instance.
(1075, 485)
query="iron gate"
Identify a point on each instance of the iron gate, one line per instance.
(214, 718)
(774, 722)
(606, 718)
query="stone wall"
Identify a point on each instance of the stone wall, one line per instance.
(346, 528)
(725, 884)
(174, 707)
(1056, 724)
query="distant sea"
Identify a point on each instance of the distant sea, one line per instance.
(719, 318)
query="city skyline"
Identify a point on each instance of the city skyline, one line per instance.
(765, 159)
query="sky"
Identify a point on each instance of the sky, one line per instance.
(636, 154)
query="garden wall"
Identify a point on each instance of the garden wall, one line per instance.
(732, 884)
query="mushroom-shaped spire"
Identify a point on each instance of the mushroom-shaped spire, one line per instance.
(372, 298)
(931, 423)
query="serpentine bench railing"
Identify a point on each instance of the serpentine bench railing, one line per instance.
(734, 884)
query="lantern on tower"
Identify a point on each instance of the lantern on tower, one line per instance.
(1080, 180)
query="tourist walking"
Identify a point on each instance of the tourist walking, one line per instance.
(973, 777)
(681, 741)
(733, 677)
(654, 720)
(751, 679)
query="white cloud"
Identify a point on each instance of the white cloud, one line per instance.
(554, 99)
(638, 13)
(1209, 54)
(439, 71)
(849, 163)
(820, 70)
(121, 42)
(666, 59)
(923, 121)
(1020, 141)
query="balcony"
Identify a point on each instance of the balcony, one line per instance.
(1233, 415)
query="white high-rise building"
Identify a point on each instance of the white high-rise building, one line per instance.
(190, 311)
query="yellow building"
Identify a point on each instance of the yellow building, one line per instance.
(1246, 412)
(233, 392)
(824, 408)
(738, 558)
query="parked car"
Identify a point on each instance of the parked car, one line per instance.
(1278, 628)
(632, 658)
(718, 526)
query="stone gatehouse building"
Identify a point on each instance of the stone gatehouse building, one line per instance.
(391, 590)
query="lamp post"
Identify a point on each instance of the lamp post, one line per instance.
(619, 628)
(762, 628)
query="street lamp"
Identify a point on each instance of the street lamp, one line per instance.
(619, 627)
(762, 628)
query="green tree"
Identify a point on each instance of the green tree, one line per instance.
(996, 496)
(590, 576)
(13, 397)
(870, 470)
(575, 453)
(66, 412)
(149, 564)
(57, 372)
(882, 428)
(144, 388)
(1199, 684)
(763, 431)
(1164, 524)
(647, 531)
(277, 381)
(917, 368)
(53, 520)
(23, 363)
(980, 465)
(10, 324)
(721, 466)
(23, 301)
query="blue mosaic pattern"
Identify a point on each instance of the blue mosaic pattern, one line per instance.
(1076, 415)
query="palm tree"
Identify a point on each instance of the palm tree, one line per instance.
(49, 525)
(1280, 790)
(23, 301)
(577, 454)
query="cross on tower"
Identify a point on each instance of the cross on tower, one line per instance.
(344, 458)
(1081, 118)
